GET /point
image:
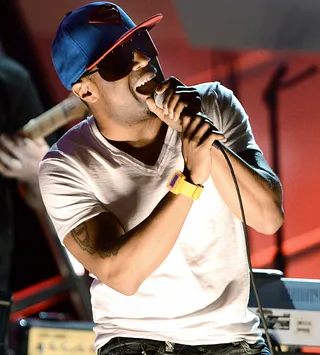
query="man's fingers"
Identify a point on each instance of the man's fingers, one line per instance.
(163, 86)
(9, 161)
(156, 110)
(172, 82)
(5, 171)
(172, 104)
(153, 107)
(15, 145)
(186, 120)
(208, 141)
(178, 110)
(174, 91)
(40, 141)
(166, 101)
(198, 129)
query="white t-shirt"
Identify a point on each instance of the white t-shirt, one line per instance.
(199, 294)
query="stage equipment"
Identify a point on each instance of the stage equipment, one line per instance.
(291, 307)
(34, 336)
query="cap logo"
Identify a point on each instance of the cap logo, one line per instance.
(106, 14)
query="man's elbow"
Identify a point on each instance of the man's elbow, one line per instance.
(128, 289)
(272, 221)
(125, 284)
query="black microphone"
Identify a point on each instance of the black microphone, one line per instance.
(189, 111)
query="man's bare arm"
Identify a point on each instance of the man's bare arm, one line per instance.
(260, 188)
(124, 260)
(82, 236)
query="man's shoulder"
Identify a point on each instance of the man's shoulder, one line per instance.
(209, 85)
(71, 140)
(212, 93)
(213, 88)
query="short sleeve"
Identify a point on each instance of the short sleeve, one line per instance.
(228, 115)
(66, 193)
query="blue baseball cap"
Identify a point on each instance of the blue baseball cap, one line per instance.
(86, 35)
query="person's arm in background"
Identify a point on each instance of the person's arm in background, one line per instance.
(19, 159)
(20, 156)
(20, 102)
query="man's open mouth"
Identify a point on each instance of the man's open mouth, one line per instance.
(148, 84)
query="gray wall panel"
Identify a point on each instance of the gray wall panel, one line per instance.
(253, 24)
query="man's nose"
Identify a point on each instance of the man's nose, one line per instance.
(140, 60)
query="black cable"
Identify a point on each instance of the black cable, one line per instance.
(219, 146)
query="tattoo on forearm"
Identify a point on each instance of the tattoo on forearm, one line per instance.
(104, 248)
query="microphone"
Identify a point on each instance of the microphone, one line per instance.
(189, 111)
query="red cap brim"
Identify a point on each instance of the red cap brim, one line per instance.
(148, 24)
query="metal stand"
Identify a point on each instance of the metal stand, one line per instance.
(5, 307)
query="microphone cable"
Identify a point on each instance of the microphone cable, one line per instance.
(220, 147)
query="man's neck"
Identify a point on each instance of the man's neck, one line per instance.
(142, 141)
(137, 135)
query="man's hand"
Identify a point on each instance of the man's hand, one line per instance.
(176, 97)
(20, 157)
(197, 138)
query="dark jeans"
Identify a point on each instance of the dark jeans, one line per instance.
(133, 346)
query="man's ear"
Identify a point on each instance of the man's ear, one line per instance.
(85, 90)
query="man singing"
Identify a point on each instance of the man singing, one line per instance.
(140, 195)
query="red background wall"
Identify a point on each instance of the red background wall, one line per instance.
(299, 127)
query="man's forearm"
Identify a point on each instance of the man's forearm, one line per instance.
(124, 260)
(151, 241)
(260, 191)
